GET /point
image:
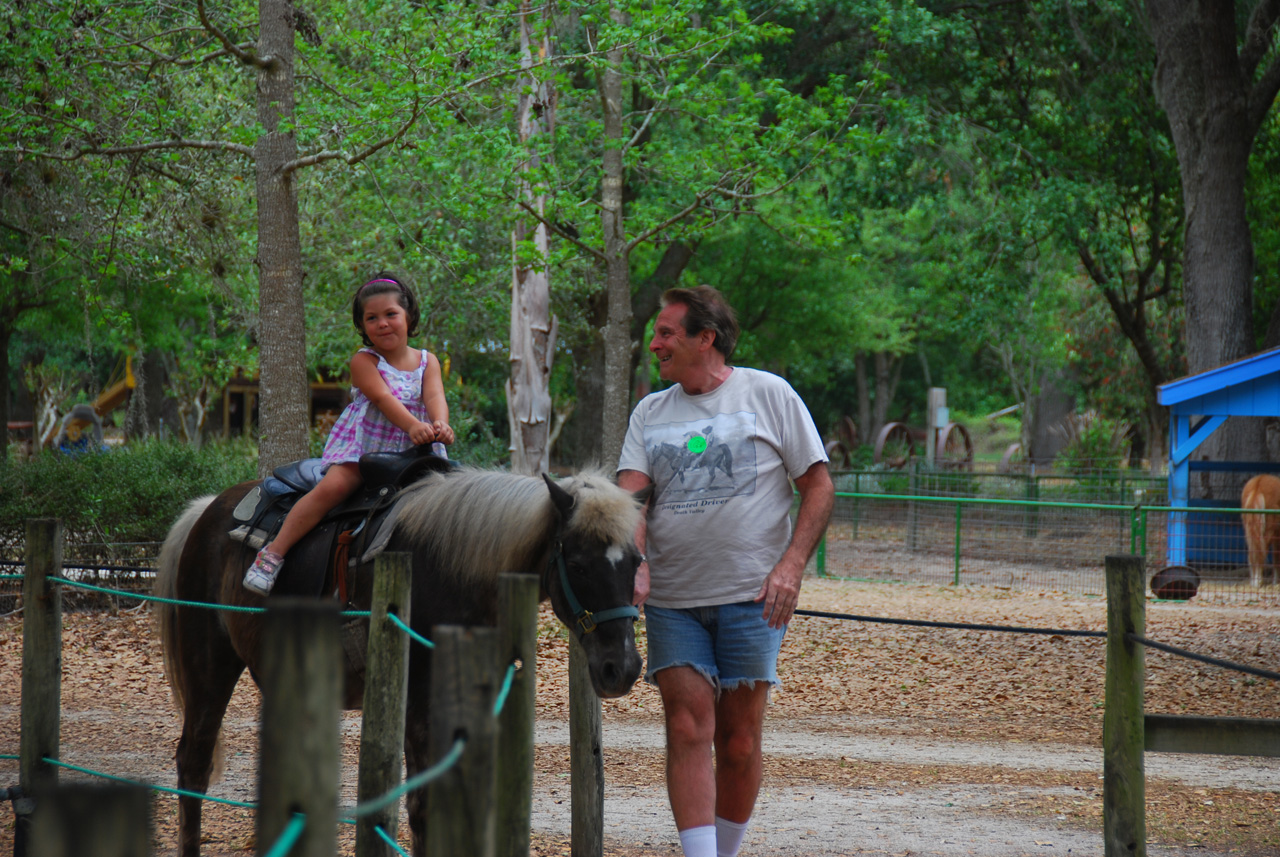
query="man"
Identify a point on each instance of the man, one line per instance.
(721, 447)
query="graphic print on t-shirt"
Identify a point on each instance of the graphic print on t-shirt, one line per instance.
(706, 459)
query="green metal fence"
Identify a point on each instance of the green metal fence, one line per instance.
(941, 533)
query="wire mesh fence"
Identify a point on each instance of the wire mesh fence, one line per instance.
(125, 566)
(1031, 531)
(1027, 529)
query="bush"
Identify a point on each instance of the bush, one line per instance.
(1095, 449)
(126, 494)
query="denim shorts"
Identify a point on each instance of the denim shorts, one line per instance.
(731, 645)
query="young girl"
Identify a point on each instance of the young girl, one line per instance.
(397, 402)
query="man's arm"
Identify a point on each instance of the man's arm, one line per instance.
(633, 481)
(781, 590)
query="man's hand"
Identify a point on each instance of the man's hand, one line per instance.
(781, 591)
(641, 592)
(634, 481)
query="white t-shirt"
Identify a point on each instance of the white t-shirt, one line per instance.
(721, 464)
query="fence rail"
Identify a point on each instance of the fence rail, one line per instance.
(950, 538)
(301, 683)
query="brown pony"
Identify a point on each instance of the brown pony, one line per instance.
(462, 527)
(1261, 532)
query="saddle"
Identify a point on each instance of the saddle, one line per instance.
(325, 561)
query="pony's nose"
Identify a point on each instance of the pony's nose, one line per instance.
(617, 676)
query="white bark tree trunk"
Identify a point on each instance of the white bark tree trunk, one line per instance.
(533, 327)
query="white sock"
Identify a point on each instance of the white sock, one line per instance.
(729, 836)
(699, 841)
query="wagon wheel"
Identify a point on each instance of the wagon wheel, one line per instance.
(894, 447)
(837, 454)
(847, 432)
(955, 449)
(1014, 459)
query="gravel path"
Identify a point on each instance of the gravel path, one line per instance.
(937, 820)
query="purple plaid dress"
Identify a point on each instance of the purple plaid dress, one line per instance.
(363, 428)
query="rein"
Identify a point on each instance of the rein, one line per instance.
(583, 617)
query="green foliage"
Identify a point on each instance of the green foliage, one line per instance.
(971, 179)
(1095, 448)
(1263, 202)
(126, 494)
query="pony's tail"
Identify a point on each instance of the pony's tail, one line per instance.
(166, 586)
(1255, 532)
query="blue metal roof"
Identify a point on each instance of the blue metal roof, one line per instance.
(1245, 388)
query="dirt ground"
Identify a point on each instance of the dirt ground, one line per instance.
(884, 740)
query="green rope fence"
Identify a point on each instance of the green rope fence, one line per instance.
(386, 837)
(291, 834)
(165, 789)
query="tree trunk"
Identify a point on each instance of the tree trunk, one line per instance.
(6, 333)
(617, 331)
(533, 328)
(282, 352)
(647, 300)
(1205, 85)
(887, 371)
(583, 433)
(869, 428)
(1157, 430)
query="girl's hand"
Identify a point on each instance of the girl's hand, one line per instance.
(421, 433)
(443, 432)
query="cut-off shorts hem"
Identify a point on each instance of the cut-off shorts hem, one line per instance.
(730, 645)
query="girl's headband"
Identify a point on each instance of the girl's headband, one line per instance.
(371, 282)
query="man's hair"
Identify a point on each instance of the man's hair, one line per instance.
(707, 310)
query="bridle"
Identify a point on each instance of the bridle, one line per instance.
(582, 617)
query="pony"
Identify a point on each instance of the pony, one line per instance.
(462, 527)
(1261, 532)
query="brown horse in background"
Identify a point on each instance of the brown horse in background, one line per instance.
(1261, 532)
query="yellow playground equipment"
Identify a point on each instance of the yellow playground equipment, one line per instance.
(117, 389)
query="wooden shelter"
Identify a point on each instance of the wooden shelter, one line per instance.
(1198, 406)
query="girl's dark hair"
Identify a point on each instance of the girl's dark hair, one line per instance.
(706, 309)
(384, 283)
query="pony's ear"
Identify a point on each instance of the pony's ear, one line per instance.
(642, 496)
(562, 499)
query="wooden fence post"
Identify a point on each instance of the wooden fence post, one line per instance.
(460, 802)
(913, 507)
(1124, 825)
(84, 820)
(517, 643)
(299, 762)
(41, 716)
(386, 692)
(586, 758)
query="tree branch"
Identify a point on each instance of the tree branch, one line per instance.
(1263, 95)
(246, 57)
(4, 224)
(321, 157)
(1258, 36)
(689, 209)
(577, 242)
(159, 57)
(85, 151)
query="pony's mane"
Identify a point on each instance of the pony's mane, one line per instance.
(484, 522)
(603, 510)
